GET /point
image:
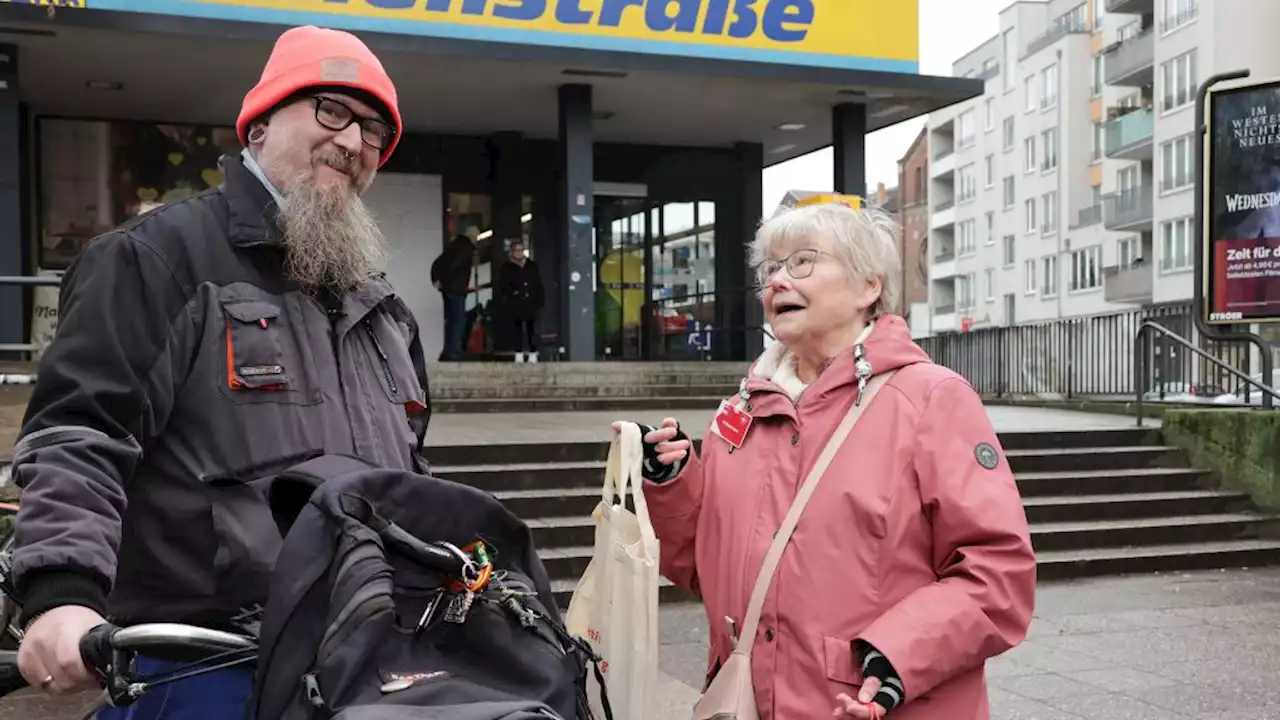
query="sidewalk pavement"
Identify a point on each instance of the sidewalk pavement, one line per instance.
(1143, 647)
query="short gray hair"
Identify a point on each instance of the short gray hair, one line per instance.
(865, 241)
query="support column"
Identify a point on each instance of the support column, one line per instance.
(11, 210)
(849, 138)
(735, 229)
(504, 148)
(577, 266)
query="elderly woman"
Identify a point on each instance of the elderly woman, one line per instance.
(912, 563)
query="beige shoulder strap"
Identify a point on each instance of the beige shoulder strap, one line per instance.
(752, 621)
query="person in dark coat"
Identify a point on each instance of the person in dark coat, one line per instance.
(451, 275)
(522, 294)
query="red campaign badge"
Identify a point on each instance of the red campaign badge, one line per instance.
(731, 424)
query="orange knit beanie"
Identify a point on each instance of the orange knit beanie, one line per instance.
(309, 56)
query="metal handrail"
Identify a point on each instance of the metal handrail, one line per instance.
(45, 280)
(1140, 360)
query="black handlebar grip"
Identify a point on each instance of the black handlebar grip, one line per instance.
(11, 681)
(95, 648)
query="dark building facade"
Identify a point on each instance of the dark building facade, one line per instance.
(623, 146)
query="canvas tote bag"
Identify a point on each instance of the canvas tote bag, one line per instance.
(731, 695)
(615, 605)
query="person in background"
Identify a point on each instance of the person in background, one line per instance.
(912, 563)
(203, 348)
(451, 275)
(521, 287)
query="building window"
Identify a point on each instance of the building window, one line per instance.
(989, 279)
(1029, 150)
(1008, 134)
(1009, 305)
(1175, 245)
(1010, 252)
(1031, 93)
(1177, 13)
(966, 185)
(1128, 252)
(1099, 134)
(967, 132)
(989, 113)
(965, 292)
(1029, 207)
(1085, 269)
(1049, 223)
(1178, 81)
(1095, 85)
(1009, 198)
(1175, 164)
(1030, 273)
(968, 231)
(920, 195)
(1010, 59)
(1049, 285)
(1049, 83)
(989, 170)
(991, 229)
(1050, 142)
(1099, 12)
(95, 175)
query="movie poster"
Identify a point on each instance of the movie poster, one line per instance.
(1242, 257)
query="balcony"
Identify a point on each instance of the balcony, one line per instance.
(1133, 285)
(1132, 7)
(1132, 62)
(943, 215)
(943, 266)
(1087, 217)
(1060, 29)
(1129, 137)
(944, 163)
(1128, 210)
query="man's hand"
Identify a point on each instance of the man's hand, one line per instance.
(49, 656)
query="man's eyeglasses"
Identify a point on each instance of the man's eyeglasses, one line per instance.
(799, 265)
(337, 116)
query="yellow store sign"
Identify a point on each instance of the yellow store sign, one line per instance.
(853, 34)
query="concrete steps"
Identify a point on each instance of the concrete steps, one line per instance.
(573, 387)
(1099, 502)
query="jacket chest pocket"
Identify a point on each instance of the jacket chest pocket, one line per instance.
(265, 361)
(387, 349)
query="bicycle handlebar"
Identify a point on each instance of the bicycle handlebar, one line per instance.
(101, 647)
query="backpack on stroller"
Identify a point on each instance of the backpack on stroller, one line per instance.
(398, 596)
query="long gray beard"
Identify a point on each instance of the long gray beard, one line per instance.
(331, 239)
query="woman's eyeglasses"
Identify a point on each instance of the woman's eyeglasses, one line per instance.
(799, 265)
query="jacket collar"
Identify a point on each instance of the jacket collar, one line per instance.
(253, 209)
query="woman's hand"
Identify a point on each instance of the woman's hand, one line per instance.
(860, 708)
(670, 450)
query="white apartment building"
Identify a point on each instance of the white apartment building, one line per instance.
(1065, 190)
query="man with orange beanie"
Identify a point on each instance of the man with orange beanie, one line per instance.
(204, 347)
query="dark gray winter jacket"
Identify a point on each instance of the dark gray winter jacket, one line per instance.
(186, 368)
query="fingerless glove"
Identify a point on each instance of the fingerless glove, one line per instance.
(651, 468)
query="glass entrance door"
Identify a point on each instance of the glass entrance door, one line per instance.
(619, 239)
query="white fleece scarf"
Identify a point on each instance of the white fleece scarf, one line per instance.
(778, 364)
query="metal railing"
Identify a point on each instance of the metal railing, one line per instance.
(1089, 357)
(1142, 344)
(1088, 216)
(25, 281)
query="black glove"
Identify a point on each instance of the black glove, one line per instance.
(652, 468)
(876, 665)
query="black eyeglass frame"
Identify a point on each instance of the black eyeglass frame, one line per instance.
(368, 125)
